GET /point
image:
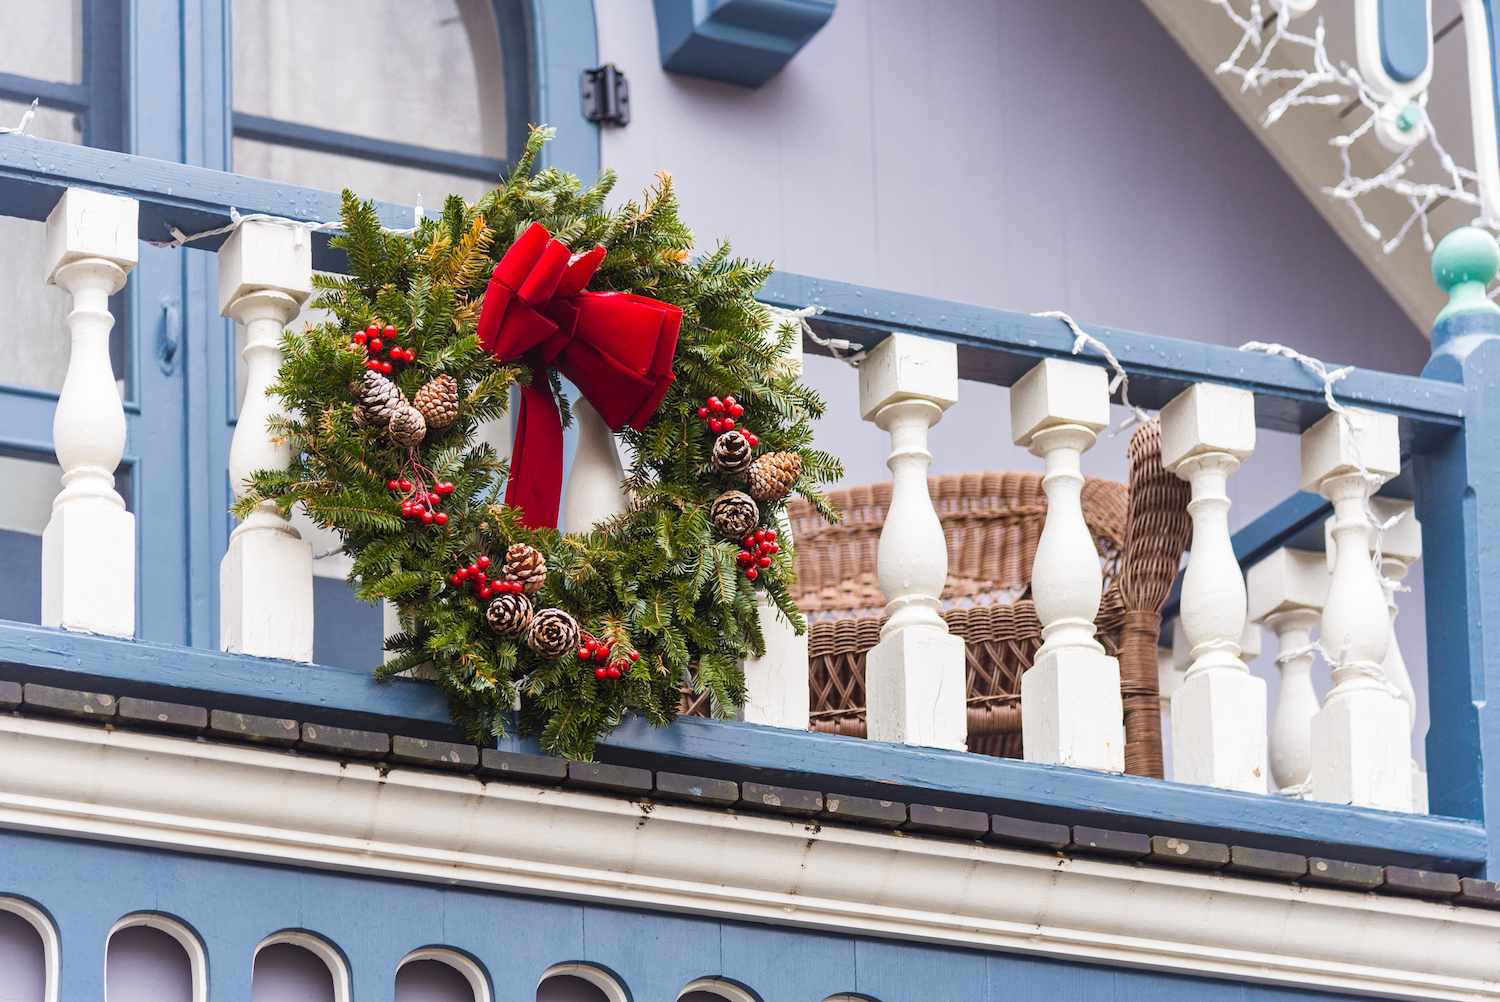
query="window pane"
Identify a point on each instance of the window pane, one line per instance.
(23, 969)
(367, 178)
(43, 40)
(425, 73)
(431, 981)
(147, 965)
(287, 973)
(32, 343)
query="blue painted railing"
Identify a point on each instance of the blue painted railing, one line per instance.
(1438, 415)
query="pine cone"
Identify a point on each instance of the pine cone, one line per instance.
(527, 565)
(772, 475)
(408, 426)
(552, 633)
(438, 402)
(735, 513)
(731, 452)
(509, 615)
(379, 398)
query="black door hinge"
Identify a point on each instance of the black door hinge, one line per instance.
(606, 95)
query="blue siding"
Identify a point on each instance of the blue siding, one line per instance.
(233, 906)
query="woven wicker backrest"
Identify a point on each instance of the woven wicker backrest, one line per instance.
(992, 522)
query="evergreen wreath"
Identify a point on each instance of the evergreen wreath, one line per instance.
(384, 400)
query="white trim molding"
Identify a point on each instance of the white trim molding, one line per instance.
(250, 803)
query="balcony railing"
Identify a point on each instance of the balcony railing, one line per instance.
(1351, 753)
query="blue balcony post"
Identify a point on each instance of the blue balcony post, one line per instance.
(1458, 503)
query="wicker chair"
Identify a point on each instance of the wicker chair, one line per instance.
(992, 522)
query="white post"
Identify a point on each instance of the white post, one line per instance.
(1071, 712)
(1400, 547)
(776, 684)
(593, 491)
(1287, 590)
(914, 677)
(1219, 711)
(88, 547)
(265, 579)
(1357, 757)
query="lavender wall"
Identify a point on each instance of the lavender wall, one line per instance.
(1027, 156)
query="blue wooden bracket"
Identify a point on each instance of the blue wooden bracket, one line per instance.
(744, 42)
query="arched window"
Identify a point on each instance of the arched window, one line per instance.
(298, 967)
(716, 990)
(145, 962)
(438, 975)
(579, 983)
(28, 954)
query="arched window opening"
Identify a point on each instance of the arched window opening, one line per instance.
(716, 990)
(579, 983)
(23, 959)
(439, 975)
(298, 967)
(146, 964)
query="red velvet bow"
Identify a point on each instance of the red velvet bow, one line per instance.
(616, 347)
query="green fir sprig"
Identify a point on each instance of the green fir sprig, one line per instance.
(658, 580)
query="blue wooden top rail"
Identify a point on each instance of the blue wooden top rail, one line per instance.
(999, 346)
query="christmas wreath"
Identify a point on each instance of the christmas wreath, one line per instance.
(426, 336)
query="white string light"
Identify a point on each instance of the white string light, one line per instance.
(1083, 339)
(851, 353)
(237, 219)
(25, 123)
(1319, 81)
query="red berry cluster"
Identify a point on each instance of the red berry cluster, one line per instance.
(720, 414)
(601, 652)
(483, 587)
(419, 503)
(378, 342)
(756, 555)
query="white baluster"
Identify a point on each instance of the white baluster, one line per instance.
(593, 491)
(1287, 591)
(265, 579)
(88, 547)
(1219, 711)
(1070, 698)
(776, 683)
(914, 678)
(1357, 757)
(1400, 547)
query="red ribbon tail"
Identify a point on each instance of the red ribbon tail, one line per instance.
(536, 460)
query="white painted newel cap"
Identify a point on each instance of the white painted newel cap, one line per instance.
(1205, 418)
(907, 367)
(1287, 579)
(1057, 391)
(264, 255)
(1334, 446)
(92, 224)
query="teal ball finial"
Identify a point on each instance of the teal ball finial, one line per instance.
(1468, 254)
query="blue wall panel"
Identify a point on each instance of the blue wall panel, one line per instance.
(86, 887)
